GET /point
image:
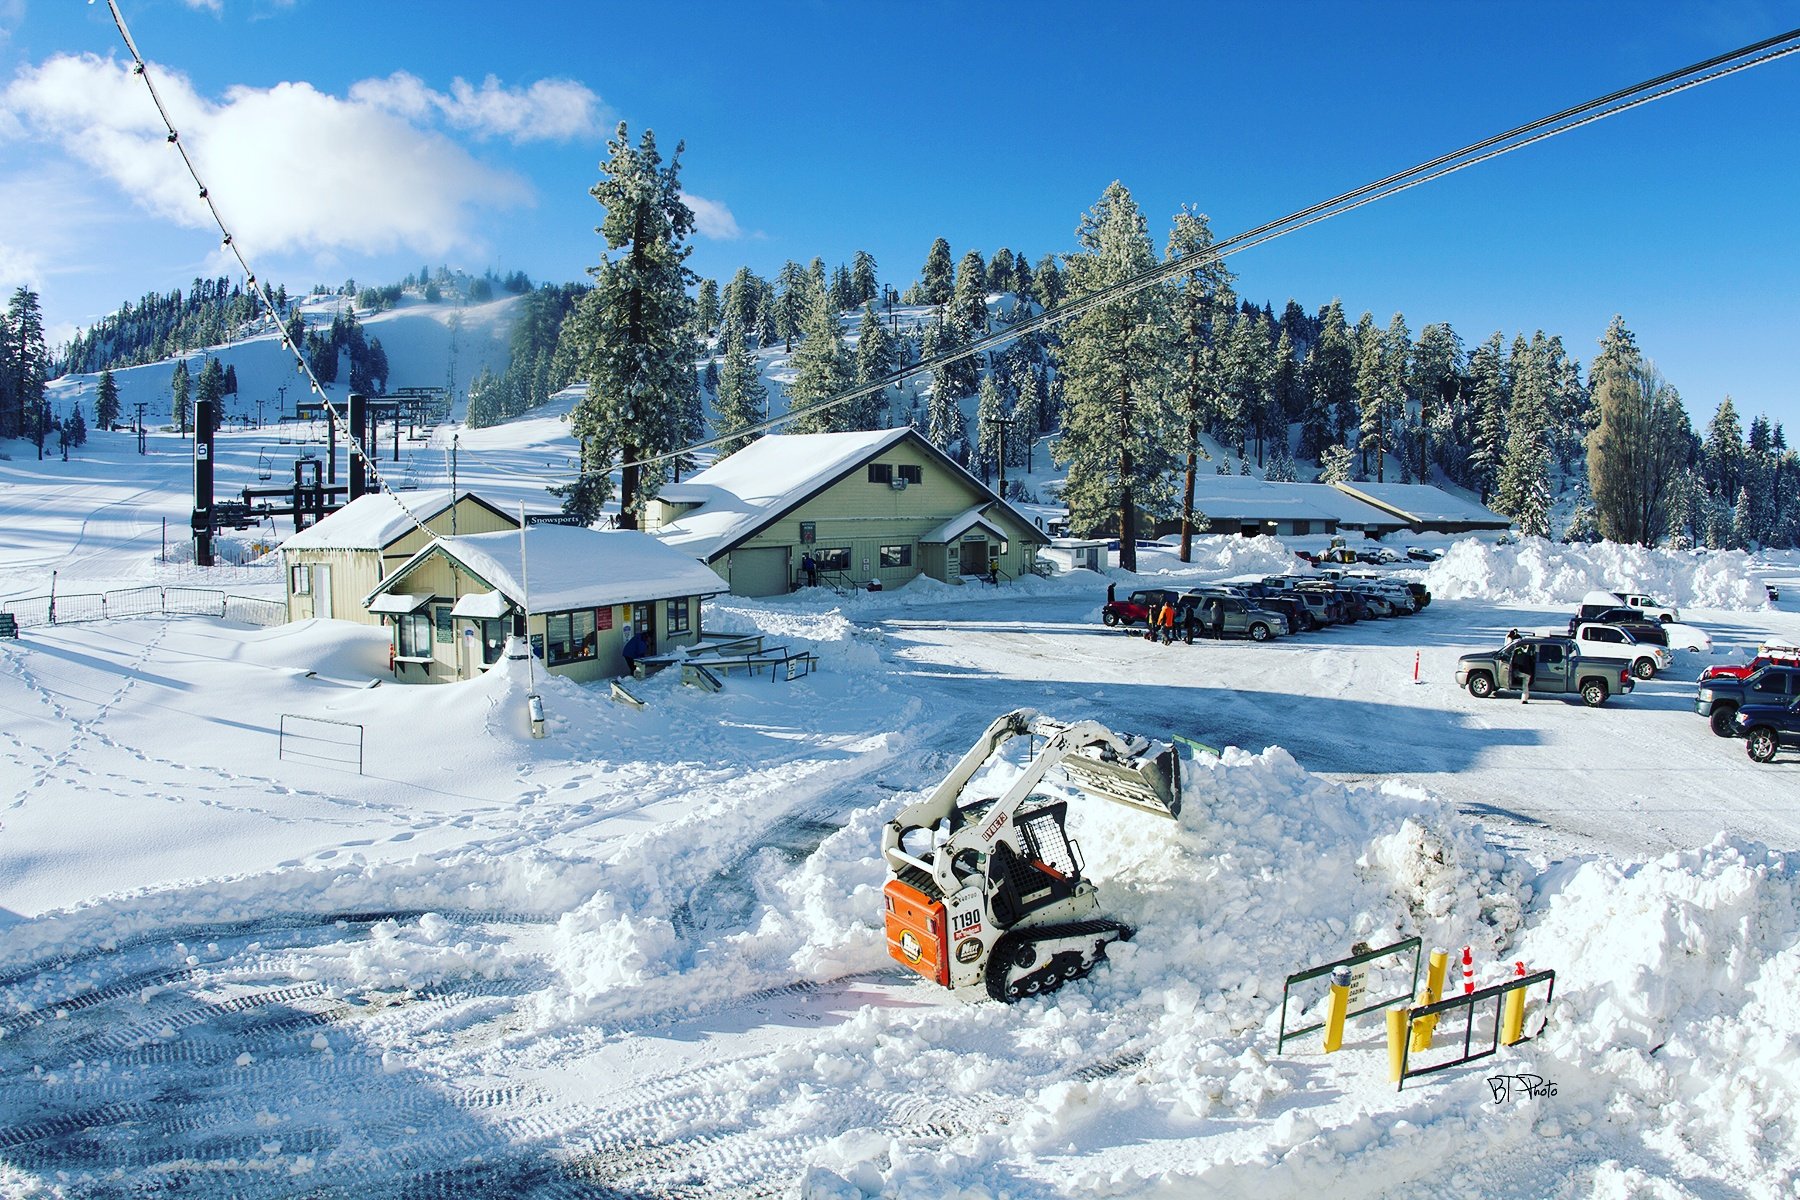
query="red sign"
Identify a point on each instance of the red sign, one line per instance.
(603, 618)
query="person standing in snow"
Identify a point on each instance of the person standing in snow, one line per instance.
(810, 568)
(1168, 623)
(1152, 618)
(635, 648)
(1524, 665)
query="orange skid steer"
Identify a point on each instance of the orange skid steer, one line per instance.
(985, 894)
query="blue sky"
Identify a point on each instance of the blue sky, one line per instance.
(366, 140)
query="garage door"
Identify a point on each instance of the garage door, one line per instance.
(759, 572)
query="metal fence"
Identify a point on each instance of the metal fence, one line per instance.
(71, 608)
(315, 739)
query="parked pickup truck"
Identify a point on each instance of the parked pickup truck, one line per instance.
(1766, 728)
(1648, 605)
(1561, 671)
(1719, 698)
(1610, 643)
(1629, 619)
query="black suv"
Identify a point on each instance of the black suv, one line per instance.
(1766, 728)
(1720, 697)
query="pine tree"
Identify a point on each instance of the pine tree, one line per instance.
(1287, 386)
(794, 300)
(1723, 451)
(632, 330)
(743, 398)
(484, 407)
(1741, 537)
(968, 298)
(990, 418)
(1281, 464)
(864, 286)
(1201, 298)
(823, 369)
(877, 357)
(1371, 385)
(24, 411)
(211, 387)
(1330, 383)
(1117, 436)
(1000, 271)
(1047, 282)
(1433, 378)
(706, 308)
(1247, 371)
(1334, 464)
(180, 407)
(1523, 485)
(1490, 399)
(939, 274)
(106, 406)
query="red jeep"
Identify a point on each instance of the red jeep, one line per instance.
(1135, 608)
(1779, 653)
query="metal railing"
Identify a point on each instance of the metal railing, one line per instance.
(69, 608)
(1355, 960)
(317, 740)
(1497, 993)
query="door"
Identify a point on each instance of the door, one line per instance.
(975, 557)
(1552, 674)
(759, 572)
(322, 591)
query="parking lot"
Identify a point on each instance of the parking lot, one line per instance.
(1641, 775)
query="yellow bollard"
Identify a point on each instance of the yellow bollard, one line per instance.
(1396, 1018)
(1336, 1008)
(1434, 991)
(1512, 1014)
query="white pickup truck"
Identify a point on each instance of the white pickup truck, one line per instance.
(1650, 606)
(1609, 643)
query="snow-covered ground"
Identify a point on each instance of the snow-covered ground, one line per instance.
(643, 956)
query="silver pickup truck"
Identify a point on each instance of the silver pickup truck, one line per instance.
(1560, 671)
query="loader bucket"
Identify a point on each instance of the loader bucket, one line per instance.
(1149, 782)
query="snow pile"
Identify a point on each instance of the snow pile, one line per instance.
(1536, 571)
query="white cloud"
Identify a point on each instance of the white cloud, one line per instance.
(212, 6)
(711, 218)
(290, 167)
(549, 110)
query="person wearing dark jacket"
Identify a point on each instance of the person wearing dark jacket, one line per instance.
(1523, 665)
(635, 648)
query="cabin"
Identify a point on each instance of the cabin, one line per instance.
(1427, 509)
(873, 509)
(330, 566)
(577, 594)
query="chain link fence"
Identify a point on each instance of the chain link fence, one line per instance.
(150, 601)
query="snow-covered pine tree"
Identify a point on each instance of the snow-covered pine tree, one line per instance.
(1490, 398)
(484, 407)
(1723, 451)
(990, 421)
(1741, 535)
(1287, 384)
(876, 358)
(1000, 271)
(631, 331)
(1048, 284)
(793, 301)
(1335, 463)
(706, 308)
(1119, 430)
(1247, 371)
(939, 275)
(1331, 384)
(1522, 489)
(1433, 377)
(823, 369)
(1584, 524)
(77, 427)
(968, 298)
(864, 286)
(1281, 464)
(1202, 298)
(742, 397)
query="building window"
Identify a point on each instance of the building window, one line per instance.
(414, 637)
(301, 581)
(881, 473)
(836, 559)
(445, 631)
(678, 616)
(571, 636)
(1302, 528)
(493, 640)
(896, 556)
(912, 474)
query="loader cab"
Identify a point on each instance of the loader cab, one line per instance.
(1044, 870)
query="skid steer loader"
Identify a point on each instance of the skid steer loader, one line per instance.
(985, 894)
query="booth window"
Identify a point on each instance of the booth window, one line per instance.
(414, 635)
(835, 559)
(678, 615)
(896, 556)
(302, 579)
(571, 636)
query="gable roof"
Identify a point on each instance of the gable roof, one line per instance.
(745, 493)
(1245, 497)
(377, 520)
(569, 567)
(956, 526)
(1421, 503)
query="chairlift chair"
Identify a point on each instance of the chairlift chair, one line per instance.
(265, 467)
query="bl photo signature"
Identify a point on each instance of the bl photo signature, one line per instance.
(1519, 1087)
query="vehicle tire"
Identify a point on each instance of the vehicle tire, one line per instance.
(1593, 693)
(1721, 720)
(1644, 668)
(1481, 685)
(1761, 743)
(1259, 632)
(1664, 618)
(1110, 617)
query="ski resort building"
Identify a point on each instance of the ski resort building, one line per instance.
(1427, 509)
(873, 509)
(576, 593)
(329, 567)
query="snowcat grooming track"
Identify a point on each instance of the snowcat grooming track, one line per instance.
(1028, 962)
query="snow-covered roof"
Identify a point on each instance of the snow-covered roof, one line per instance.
(371, 522)
(955, 527)
(743, 493)
(1421, 503)
(1236, 497)
(571, 567)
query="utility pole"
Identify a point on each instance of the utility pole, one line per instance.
(455, 438)
(140, 426)
(1002, 422)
